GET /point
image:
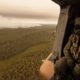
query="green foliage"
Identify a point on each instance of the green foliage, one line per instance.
(21, 52)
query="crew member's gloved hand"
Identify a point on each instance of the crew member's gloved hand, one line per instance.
(47, 70)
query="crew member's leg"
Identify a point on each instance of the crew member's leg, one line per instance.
(76, 72)
(61, 69)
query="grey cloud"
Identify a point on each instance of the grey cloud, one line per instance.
(36, 16)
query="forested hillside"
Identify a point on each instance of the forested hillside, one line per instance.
(21, 51)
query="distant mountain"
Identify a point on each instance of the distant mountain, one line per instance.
(49, 25)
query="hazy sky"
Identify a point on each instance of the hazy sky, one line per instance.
(24, 12)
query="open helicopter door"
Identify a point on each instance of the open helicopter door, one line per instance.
(57, 48)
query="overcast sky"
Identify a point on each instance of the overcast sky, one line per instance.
(15, 13)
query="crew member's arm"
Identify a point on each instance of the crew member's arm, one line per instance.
(67, 52)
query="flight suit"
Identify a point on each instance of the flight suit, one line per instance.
(70, 63)
(72, 54)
